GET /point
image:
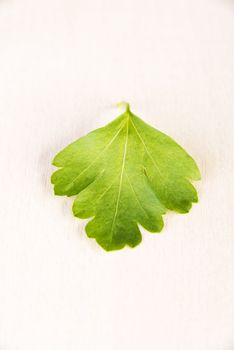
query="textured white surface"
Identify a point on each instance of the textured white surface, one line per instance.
(63, 66)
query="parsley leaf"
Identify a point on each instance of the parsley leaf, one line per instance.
(125, 174)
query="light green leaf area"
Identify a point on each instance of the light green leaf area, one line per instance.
(124, 175)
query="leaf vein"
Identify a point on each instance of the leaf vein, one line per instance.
(153, 161)
(134, 192)
(105, 148)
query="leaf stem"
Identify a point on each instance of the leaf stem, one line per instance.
(124, 104)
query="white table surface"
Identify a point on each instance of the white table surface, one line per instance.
(63, 66)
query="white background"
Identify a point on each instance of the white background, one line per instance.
(63, 66)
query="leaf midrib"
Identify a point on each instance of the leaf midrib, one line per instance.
(129, 119)
(121, 178)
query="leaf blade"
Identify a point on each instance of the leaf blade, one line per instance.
(124, 175)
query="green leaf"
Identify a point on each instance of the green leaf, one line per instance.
(124, 175)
